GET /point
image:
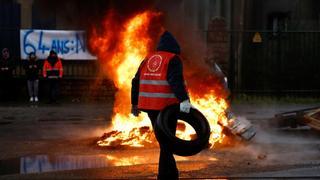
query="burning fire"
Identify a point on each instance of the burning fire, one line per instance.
(121, 46)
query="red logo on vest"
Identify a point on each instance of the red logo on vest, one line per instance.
(154, 63)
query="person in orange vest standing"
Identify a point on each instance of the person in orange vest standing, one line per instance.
(158, 83)
(53, 72)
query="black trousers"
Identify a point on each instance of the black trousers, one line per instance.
(167, 168)
(53, 89)
(7, 89)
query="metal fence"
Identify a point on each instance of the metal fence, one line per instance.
(282, 63)
(72, 69)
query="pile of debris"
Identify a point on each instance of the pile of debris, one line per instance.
(303, 117)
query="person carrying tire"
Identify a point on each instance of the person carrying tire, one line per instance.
(158, 83)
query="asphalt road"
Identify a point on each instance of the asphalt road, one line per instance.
(59, 142)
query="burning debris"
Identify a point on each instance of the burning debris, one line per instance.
(139, 137)
(239, 127)
(121, 47)
(143, 136)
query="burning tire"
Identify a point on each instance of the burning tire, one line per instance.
(178, 146)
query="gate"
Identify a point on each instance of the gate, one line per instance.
(282, 63)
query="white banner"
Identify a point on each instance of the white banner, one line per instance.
(70, 45)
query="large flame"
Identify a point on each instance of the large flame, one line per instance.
(121, 46)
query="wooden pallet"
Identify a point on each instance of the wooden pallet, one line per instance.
(292, 119)
(312, 119)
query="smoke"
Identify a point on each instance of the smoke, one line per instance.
(74, 14)
(197, 71)
(191, 40)
(285, 146)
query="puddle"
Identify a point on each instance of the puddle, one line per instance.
(47, 163)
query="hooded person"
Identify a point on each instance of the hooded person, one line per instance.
(158, 83)
(53, 58)
(6, 64)
(32, 73)
(53, 71)
(52, 67)
(7, 82)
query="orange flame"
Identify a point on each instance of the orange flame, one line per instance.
(121, 47)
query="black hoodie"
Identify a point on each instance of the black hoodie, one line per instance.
(168, 43)
(32, 69)
(7, 67)
(175, 71)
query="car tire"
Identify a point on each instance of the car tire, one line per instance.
(176, 145)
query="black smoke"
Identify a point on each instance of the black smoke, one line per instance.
(83, 14)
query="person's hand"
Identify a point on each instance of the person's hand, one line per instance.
(135, 111)
(185, 106)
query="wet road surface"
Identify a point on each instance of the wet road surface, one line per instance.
(59, 142)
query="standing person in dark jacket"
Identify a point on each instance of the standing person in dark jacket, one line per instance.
(6, 74)
(159, 83)
(53, 71)
(32, 73)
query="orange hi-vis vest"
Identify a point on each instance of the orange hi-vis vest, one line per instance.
(154, 90)
(52, 71)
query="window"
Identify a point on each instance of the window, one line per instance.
(278, 22)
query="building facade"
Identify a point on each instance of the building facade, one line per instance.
(222, 30)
